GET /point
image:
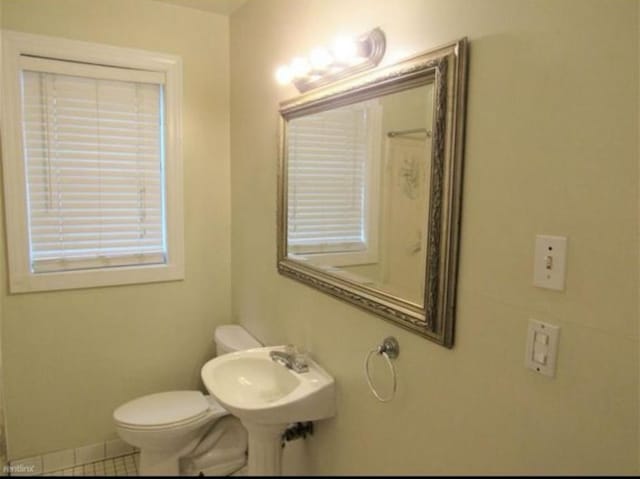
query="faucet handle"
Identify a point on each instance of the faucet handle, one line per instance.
(290, 349)
(297, 358)
(299, 362)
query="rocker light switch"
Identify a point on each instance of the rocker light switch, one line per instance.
(540, 358)
(542, 347)
(550, 262)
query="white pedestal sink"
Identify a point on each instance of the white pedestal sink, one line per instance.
(267, 396)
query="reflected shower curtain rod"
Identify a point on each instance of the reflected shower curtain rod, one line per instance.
(392, 134)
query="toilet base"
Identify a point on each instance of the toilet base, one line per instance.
(226, 469)
(243, 471)
(163, 464)
(159, 464)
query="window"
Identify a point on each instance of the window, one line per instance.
(333, 170)
(92, 157)
(93, 161)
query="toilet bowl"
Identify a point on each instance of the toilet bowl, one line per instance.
(186, 432)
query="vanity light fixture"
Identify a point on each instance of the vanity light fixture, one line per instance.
(345, 57)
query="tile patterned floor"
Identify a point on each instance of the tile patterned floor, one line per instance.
(115, 466)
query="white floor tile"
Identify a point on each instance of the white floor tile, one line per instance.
(118, 466)
(91, 453)
(26, 467)
(117, 447)
(56, 461)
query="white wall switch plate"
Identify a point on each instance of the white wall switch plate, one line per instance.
(542, 347)
(550, 262)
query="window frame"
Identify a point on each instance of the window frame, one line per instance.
(21, 277)
(370, 214)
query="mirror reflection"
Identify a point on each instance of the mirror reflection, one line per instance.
(370, 188)
(358, 191)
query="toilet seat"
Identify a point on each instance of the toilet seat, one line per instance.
(167, 410)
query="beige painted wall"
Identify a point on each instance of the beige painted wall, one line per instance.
(3, 446)
(551, 147)
(71, 357)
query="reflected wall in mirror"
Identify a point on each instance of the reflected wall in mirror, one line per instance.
(369, 189)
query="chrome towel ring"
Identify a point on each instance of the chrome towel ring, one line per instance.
(389, 349)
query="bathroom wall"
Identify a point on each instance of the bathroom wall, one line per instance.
(71, 357)
(3, 448)
(552, 148)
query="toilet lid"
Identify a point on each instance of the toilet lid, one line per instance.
(235, 338)
(162, 408)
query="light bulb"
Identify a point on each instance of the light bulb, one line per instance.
(300, 67)
(320, 58)
(344, 49)
(283, 75)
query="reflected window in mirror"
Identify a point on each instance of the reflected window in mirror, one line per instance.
(358, 181)
(333, 171)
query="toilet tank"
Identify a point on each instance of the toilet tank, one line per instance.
(231, 338)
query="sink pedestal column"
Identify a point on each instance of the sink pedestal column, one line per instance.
(265, 449)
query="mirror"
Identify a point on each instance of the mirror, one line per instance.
(370, 189)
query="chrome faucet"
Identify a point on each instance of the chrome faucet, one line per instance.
(293, 360)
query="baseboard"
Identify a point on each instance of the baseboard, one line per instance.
(67, 458)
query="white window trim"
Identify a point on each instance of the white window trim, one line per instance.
(21, 278)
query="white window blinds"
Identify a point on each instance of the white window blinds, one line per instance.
(93, 141)
(327, 176)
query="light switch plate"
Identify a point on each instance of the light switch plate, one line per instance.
(550, 262)
(542, 347)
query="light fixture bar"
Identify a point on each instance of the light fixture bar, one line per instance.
(347, 57)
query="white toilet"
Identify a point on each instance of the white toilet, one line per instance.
(186, 432)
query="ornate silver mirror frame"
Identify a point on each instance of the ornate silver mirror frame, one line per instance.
(445, 69)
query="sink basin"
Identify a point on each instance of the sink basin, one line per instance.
(251, 386)
(267, 396)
